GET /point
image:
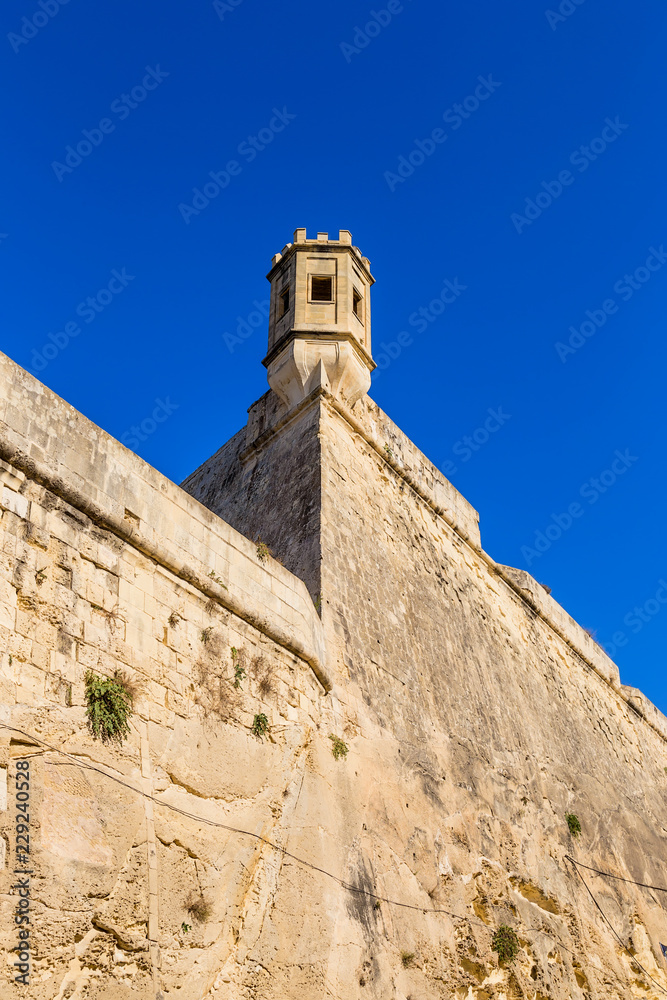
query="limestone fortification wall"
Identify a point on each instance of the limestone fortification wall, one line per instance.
(476, 712)
(99, 551)
(479, 714)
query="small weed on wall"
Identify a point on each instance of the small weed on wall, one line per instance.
(260, 726)
(217, 580)
(109, 702)
(263, 552)
(338, 747)
(198, 907)
(573, 824)
(506, 943)
(239, 669)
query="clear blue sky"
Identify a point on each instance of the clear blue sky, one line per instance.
(578, 96)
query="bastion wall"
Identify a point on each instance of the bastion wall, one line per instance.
(474, 711)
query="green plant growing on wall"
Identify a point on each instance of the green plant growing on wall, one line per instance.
(239, 669)
(198, 907)
(376, 904)
(388, 452)
(338, 747)
(506, 943)
(173, 620)
(186, 927)
(407, 959)
(109, 702)
(573, 824)
(206, 634)
(318, 603)
(40, 577)
(260, 726)
(216, 579)
(263, 552)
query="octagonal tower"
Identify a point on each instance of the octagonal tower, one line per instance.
(320, 319)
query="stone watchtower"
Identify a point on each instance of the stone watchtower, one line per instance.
(267, 482)
(320, 319)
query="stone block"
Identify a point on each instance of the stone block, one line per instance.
(10, 500)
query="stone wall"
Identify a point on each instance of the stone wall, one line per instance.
(200, 861)
(105, 565)
(479, 714)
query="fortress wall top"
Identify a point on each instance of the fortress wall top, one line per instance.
(408, 462)
(49, 441)
(252, 483)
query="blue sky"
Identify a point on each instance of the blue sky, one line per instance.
(540, 198)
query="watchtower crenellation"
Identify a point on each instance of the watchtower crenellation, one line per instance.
(320, 319)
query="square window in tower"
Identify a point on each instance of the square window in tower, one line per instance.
(321, 289)
(284, 303)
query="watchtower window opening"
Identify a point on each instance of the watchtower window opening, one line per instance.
(357, 304)
(284, 303)
(321, 289)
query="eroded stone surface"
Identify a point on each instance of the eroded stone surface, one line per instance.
(476, 716)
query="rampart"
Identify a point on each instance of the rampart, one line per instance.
(211, 857)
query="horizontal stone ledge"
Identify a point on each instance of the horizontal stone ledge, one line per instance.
(189, 572)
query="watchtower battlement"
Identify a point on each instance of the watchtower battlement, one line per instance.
(344, 238)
